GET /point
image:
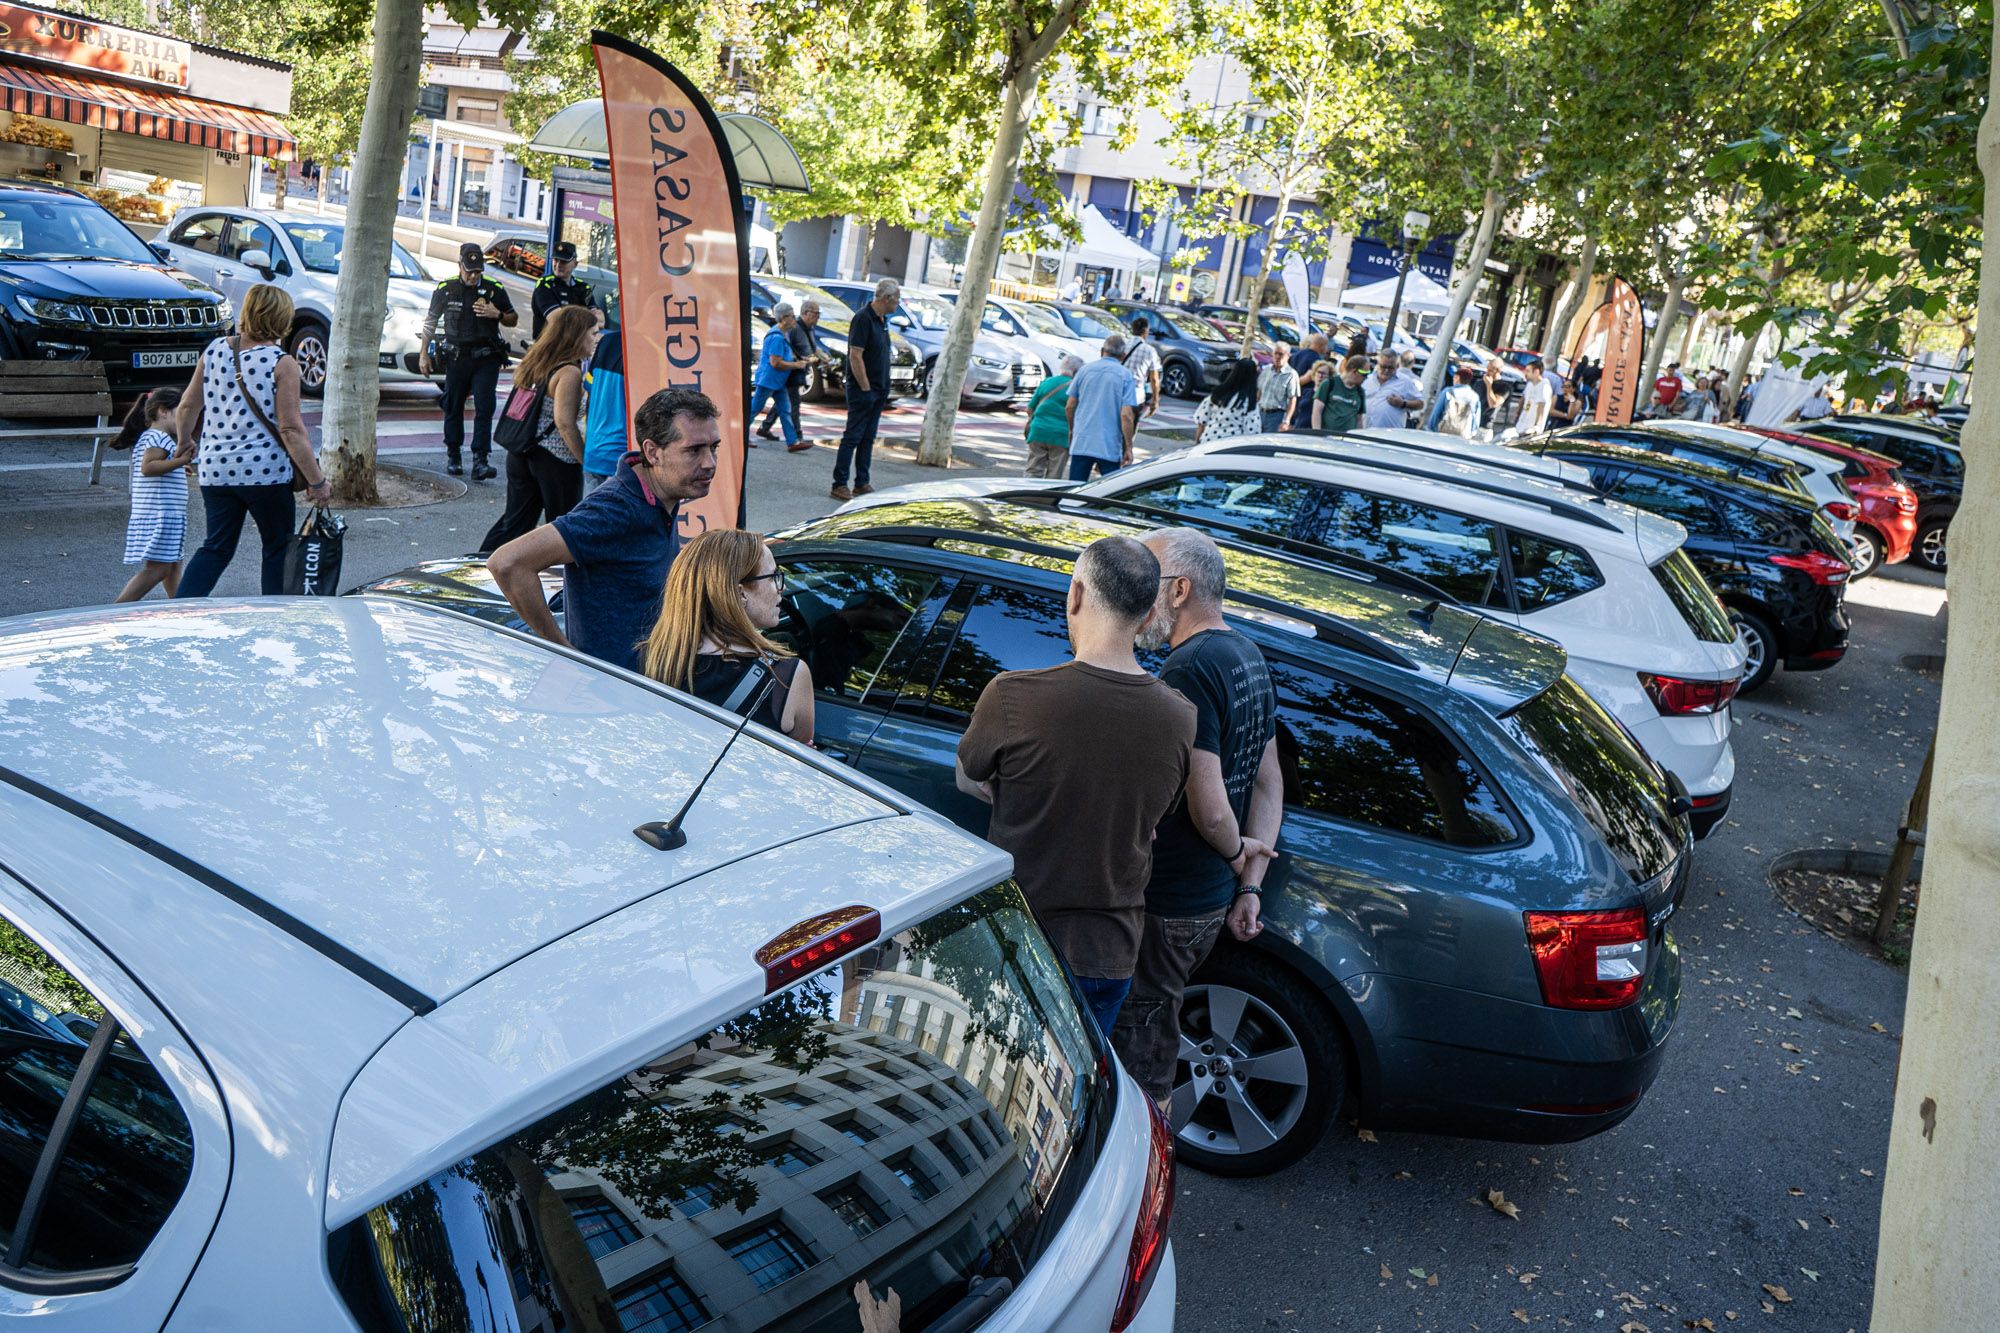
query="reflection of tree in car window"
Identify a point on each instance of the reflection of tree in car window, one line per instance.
(843, 619)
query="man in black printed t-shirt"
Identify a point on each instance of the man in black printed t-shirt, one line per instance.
(1211, 851)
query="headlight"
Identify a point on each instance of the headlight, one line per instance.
(225, 311)
(55, 312)
(989, 363)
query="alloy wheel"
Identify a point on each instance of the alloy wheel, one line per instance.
(1242, 1079)
(1755, 647)
(1174, 382)
(309, 350)
(1867, 552)
(1930, 546)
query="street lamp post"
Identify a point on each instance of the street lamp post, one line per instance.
(1415, 224)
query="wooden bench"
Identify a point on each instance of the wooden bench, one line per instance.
(54, 391)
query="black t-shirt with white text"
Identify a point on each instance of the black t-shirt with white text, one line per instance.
(1224, 677)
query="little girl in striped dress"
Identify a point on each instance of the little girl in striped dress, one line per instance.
(156, 534)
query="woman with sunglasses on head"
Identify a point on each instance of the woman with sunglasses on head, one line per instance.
(722, 594)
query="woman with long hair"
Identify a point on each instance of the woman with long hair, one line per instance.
(240, 414)
(1231, 410)
(545, 474)
(722, 594)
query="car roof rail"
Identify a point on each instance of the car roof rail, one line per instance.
(1326, 628)
(1240, 538)
(1572, 510)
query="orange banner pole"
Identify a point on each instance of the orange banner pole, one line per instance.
(683, 256)
(1619, 326)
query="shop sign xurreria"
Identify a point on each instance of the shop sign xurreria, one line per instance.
(87, 46)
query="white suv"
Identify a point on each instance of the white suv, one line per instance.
(342, 993)
(233, 249)
(1644, 632)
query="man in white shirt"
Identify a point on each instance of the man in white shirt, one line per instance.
(1392, 393)
(1462, 404)
(1535, 400)
(1073, 289)
(1813, 408)
(1144, 363)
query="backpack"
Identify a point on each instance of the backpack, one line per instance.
(516, 431)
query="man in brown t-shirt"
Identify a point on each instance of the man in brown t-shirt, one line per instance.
(1080, 763)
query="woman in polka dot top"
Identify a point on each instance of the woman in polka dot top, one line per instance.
(245, 469)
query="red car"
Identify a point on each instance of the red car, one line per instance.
(1887, 523)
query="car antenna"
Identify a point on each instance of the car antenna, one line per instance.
(667, 835)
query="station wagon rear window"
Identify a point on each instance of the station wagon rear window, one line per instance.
(1694, 599)
(918, 1118)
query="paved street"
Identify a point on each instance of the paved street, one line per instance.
(1757, 1157)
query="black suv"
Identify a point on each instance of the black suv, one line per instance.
(1748, 463)
(1778, 568)
(1930, 464)
(1193, 356)
(76, 284)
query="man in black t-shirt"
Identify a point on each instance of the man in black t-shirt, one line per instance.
(867, 388)
(1211, 851)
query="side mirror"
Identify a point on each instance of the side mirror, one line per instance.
(259, 260)
(166, 255)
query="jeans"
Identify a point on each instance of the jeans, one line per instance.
(780, 399)
(1148, 1035)
(857, 441)
(478, 378)
(1274, 417)
(538, 483)
(592, 480)
(275, 514)
(1079, 466)
(1104, 997)
(796, 390)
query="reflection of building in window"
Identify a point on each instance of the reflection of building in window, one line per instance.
(602, 1226)
(770, 1254)
(852, 1205)
(661, 1305)
(915, 1178)
(792, 1158)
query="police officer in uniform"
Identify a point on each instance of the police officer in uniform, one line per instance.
(461, 336)
(561, 287)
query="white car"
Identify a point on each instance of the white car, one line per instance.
(1645, 634)
(233, 249)
(1042, 328)
(343, 995)
(1820, 472)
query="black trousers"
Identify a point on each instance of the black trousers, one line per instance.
(538, 483)
(275, 514)
(478, 378)
(857, 441)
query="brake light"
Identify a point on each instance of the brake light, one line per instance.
(1824, 569)
(1675, 697)
(813, 943)
(1149, 1237)
(1588, 960)
(1843, 511)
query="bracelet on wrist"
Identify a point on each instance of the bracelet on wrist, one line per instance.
(1242, 889)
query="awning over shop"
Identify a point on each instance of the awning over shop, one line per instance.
(153, 115)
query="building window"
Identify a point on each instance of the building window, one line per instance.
(918, 1181)
(431, 101)
(662, 1305)
(792, 1158)
(696, 1199)
(793, 1098)
(770, 1254)
(477, 111)
(602, 1226)
(856, 1207)
(953, 1154)
(901, 1112)
(855, 1129)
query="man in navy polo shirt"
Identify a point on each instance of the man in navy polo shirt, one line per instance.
(616, 545)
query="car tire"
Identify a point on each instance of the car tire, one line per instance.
(924, 374)
(1245, 1006)
(1177, 380)
(1866, 548)
(1760, 639)
(310, 347)
(1928, 547)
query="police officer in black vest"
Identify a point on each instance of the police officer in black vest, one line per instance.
(561, 287)
(461, 336)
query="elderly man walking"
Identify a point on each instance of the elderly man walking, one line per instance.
(1040, 749)
(867, 388)
(1392, 393)
(1211, 851)
(1103, 413)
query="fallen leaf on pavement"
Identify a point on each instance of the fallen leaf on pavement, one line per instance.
(1431, 1281)
(1777, 1294)
(1365, 1135)
(1402, 1175)
(1803, 1224)
(1708, 1324)
(1876, 1027)
(1387, 1272)
(1768, 1307)
(1866, 1172)
(1796, 1192)
(1793, 1049)
(1633, 1326)
(1521, 1315)
(1624, 1222)
(1809, 1273)
(1418, 1272)
(1528, 1279)
(1730, 1315)
(1500, 1204)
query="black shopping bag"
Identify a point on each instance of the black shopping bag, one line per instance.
(312, 561)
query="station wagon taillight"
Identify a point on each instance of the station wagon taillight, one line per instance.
(1149, 1237)
(813, 943)
(1676, 697)
(1588, 960)
(1822, 568)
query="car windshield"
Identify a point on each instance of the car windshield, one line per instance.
(830, 306)
(927, 312)
(1188, 326)
(59, 226)
(1596, 760)
(320, 245)
(1040, 321)
(919, 1118)
(1694, 599)
(1091, 323)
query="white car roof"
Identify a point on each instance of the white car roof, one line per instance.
(430, 797)
(1462, 485)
